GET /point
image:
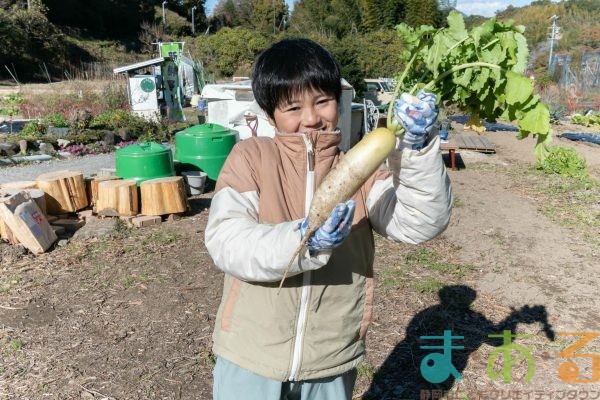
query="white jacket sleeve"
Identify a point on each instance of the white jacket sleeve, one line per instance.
(248, 250)
(414, 204)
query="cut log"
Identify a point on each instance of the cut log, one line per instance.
(163, 196)
(65, 191)
(36, 195)
(94, 187)
(120, 196)
(5, 187)
(26, 221)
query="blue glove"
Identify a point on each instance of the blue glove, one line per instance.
(417, 115)
(334, 230)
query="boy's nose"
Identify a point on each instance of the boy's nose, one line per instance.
(310, 118)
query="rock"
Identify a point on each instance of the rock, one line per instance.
(63, 242)
(124, 134)
(109, 137)
(23, 146)
(96, 228)
(63, 142)
(60, 132)
(47, 148)
(8, 149)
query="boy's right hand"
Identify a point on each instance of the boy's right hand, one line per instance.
(417, 114)
(335, 229)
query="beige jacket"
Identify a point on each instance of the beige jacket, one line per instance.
(316, 326)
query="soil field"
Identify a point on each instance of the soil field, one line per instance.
(119, 313)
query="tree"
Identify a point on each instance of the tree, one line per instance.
(229, 50)
(310, 15)
(371, 13)
(268, 16)
(422, 12)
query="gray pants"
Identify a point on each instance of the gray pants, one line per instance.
(232, 382)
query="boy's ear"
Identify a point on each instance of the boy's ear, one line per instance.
(271, 121)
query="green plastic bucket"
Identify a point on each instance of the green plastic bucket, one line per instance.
(144, 161)
(204, 147)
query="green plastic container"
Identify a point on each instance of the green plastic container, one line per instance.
(204, 147)
(145, 161)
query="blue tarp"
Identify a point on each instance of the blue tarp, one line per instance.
(586, 137)
(17, 125)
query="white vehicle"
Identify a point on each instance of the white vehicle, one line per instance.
(379, 91)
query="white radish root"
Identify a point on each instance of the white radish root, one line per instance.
(348, 175)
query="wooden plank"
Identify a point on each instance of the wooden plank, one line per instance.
(478, 143)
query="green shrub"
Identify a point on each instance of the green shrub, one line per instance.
(9, 105)
(33, 130)
(56, 120)
(564, 161)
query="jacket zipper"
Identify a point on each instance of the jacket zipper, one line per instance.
(301, 323)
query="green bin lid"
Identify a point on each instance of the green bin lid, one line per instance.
(207, 129)
(143, 149)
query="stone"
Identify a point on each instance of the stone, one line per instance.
(23, 146)
(109, 137)
(47, 148)
(8, 149)
(63, 142)
(124, 134)
(146, 220)
(96, 228)
(63, 242)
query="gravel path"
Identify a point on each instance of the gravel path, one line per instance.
(89, 165)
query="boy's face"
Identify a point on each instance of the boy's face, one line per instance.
(307, 111)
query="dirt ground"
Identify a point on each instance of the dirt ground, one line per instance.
(129, 315)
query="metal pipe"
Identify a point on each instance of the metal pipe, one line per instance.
(164, 15)
(193, 21)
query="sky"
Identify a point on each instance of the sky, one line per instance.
(487, 8)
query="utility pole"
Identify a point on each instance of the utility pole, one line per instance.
(193, 21)
(164, 15)
(553, 36)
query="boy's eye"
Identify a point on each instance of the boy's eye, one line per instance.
(291, 108)
(324, 100)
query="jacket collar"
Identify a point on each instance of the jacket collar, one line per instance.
(324, 143)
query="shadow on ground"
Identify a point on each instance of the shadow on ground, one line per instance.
(401, 376)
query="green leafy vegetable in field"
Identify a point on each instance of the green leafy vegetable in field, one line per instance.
(479, 70)
(586, 120)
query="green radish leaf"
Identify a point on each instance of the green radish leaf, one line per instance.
(522, 54)
(456, 26)
(518, 88)
(536, 120)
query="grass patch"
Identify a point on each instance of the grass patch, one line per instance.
(456, 202)
(428, 285)
(431, 260)
(161, 237)
(15, 345)
(365, 370)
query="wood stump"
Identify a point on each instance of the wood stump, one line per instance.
(117, 197)
(65, 191)
(40, 199)
(94, 183)
(163, 196)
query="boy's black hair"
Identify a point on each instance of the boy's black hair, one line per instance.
(291, 66)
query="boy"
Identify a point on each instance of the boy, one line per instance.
(306, 341)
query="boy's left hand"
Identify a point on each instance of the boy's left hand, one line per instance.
(335, 229)
(417, 114)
